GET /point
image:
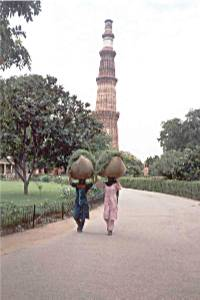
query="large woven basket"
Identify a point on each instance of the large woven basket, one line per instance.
(82, 168)
(115, 168)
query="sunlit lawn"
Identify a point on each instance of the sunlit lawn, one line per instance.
(13, 191)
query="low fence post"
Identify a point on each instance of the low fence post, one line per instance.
(34, 216)
(62, 210)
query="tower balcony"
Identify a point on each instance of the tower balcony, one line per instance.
(107, 51)
(106, 79)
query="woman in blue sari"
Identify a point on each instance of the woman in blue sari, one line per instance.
(81, 207)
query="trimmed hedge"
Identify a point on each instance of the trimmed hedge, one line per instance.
(60, 179)
(188, 189)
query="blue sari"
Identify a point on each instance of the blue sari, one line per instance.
(81, 207)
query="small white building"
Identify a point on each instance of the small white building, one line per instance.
(6, 168)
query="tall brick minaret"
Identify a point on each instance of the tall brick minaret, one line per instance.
(106, 82)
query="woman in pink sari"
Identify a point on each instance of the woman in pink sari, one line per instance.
(111, 188)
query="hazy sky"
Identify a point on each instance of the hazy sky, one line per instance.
(157, 62)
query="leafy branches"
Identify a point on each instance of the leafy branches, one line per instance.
(12, 51)
(178, 135)
(41, 124)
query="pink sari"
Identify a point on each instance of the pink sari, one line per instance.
(110, 201)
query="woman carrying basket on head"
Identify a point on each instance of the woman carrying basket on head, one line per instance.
(81, 167)
(81, 207)
(111, 189)
(110, 164)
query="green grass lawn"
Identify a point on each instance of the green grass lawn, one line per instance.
(12, 191)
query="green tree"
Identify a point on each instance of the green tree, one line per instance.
(191, 129)
(181, 165)
(171, 135)
(73, 127)
(190, 164)
(154, 168)
(152, 163)
(41, 124)
(178, 135)
(99, 143)
(150, 160)
(170, 164)
(12, 51)
(133, 165)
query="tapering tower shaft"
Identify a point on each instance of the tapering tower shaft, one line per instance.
(106, 82)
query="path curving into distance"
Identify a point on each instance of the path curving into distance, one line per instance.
(154, 253)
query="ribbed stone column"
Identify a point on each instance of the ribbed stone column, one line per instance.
(106, 82)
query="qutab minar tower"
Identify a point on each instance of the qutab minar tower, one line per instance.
(106, 82)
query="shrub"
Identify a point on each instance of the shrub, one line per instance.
(133, 165)
(16, 218)
(170, 164)
(179, 165)
(45, 178)
(2, 177)
(161, 185)
(190, 167)
(62, 179)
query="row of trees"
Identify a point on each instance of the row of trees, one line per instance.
(181, 149)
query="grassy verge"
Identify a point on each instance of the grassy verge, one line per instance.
(39, 192)
(46, 202)
(188, 189)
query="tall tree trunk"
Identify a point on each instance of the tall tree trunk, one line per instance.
(26, 183)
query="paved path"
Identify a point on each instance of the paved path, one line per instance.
(153, 254)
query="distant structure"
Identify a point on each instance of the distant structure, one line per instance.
(146, 171)
(106, 82)
(6, 169)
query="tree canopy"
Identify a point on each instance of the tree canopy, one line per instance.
(175, 164)
(99, 143)
(178, 135)
(133, 165)
(12, 51)
(150, 160)
(41, 124)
